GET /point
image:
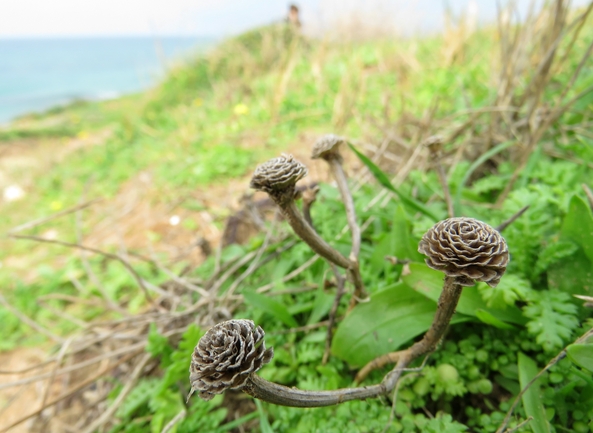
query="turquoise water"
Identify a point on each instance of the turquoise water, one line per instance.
(36, 74)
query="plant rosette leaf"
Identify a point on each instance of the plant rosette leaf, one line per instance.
(532, 397)
(391, 318)
(271, 306)
(581, 355)
(429, 283)
(572, 274)
(578, 225)
(383, 179)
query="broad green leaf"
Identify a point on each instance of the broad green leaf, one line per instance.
(490, 319)
(578, 225)
(271, 306)
(429, 283)
(572, 274)
(384, 180)
(532, 398)
(321, 306)
(382, 247)
(405, 246)
(391, 318)
(581, 355)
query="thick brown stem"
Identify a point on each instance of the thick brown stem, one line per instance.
(446, 308)
(285, 396)
(306, 233)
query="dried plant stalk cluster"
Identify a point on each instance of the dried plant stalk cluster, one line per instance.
(467, 249)
(278, 174)
(226, 356)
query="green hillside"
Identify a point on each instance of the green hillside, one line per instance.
(135, 231)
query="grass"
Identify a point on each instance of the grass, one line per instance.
(514, 135)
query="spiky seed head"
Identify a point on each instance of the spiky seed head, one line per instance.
(226, 356)
(328, 147)
(466, 248)
(278, 174)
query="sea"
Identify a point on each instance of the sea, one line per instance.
(40, 73)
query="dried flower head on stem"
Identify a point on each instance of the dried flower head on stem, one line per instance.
(226, 356)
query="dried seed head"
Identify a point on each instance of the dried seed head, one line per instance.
(328, 147)
(278, 174)
(226, 356)
(467, 249)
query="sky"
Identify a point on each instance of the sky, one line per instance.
(217, 18)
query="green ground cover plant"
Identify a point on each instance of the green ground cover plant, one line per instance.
(516, 132)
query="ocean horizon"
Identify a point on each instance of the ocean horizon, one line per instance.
(37, 74)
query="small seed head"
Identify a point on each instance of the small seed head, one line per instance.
(278, 174)
(328, 147)
(467, 249)
(226, 356)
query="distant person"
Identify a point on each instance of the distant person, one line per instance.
(293, 19)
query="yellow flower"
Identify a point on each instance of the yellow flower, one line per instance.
(198, 102)
(83, 135)
(241, 109)
(56, 205)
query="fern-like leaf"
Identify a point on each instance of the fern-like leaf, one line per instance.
(552, 318)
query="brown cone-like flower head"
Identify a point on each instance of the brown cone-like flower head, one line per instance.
(328, 147)
(226, 356)
(467, 249)
(278, 174)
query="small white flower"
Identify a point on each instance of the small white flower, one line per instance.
(174, 220)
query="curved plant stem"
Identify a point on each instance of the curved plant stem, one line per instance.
(335, 163)
(512, 219)
(342, 182)
(302, 228)
(446, 308)
(285, 396)
(309, 197)
(340, 283)
(375, 364)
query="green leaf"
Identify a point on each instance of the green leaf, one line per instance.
(483, 158)
(429, 283)
(384, 180)
(158, 345)
(553, 253)
(573, 274)
(490, 319)
(578, 225)
(391, 318)
(532, 398)
(552, 318)
(581, 355)
(264, 424)
(271, 306)
(321, 306)
(512, 288)
(405, 246)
